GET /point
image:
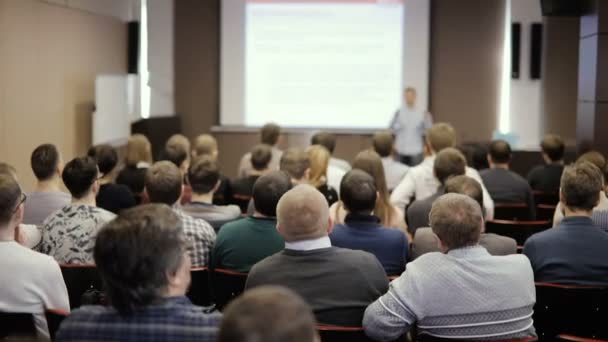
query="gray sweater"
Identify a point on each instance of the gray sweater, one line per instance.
(338, 283)
(466, 294)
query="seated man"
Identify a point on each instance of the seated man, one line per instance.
(362, 230)
(206, 145)
(394, 171)
(449, 163)
(328, 140)
(68, 235)
(295, 162)
(337, 283)
(270, 134)
(504, 185)
(31, 281)
(111, 196)
(241, 244)
(47, 196)
(463, 293)
(163, 184)
(242, 188)
(268, 313)
(576, 250)
(141, 257)
(546, 177)
(204, 178)
(425, 241)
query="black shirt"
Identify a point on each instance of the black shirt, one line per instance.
(242, 190)
(546, 178)
(115, 197)
(331, 195)
(133, 177)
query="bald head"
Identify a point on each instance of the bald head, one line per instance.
(303, 214)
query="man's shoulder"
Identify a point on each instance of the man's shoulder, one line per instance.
(37, 263)
(102, 214)
(190, 222)
(352, 257)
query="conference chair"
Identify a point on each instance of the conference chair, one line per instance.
(14, 325)
(518, 230)
(53, 320)
(427, 338)
(330, 333)
(570, 309)
(545, 212)
(83, 283)
(199, 292)
(545, 198)
(565, 337)
(512, 211)
(226, 285)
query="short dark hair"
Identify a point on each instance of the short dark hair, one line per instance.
(44, 161)
(448, 163)
(267, 192)
(383, 143)
(135, 252)
(203, 174)
(268, 313)
(553, 146)
(325, 139)
(295, 162)
(465, 185)
(10, 193)
(106, 157)
(163, 183)
(358, 192)
(500, 151)
(79, 175)
(176, 154)
(269, 134)
(581, 184)
(261, 155)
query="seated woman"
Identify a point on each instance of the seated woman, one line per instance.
(138, 158)
(318, 157)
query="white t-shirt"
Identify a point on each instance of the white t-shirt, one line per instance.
(31, 282)
(334, 177)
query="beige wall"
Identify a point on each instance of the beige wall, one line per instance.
(49, 57)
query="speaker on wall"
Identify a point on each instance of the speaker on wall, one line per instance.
(515, 49)
(132, 47)
(565, 8)
(536, 50)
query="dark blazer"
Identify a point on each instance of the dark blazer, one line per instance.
(417, 215)
(573, 252)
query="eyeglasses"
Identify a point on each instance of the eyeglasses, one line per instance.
(21, 201)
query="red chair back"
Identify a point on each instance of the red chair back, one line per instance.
(565, 337)
(80, 278)
(53, 320)
(518, 230)
(330, 333)
(226, 285)
(545, 198)
(512, 211)
(199, 292)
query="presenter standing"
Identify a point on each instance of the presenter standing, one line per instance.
(409, 126)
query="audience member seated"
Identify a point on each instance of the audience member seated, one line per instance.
(390, 216)
(337, 283)
(449, 163)
(576, 250)
(111, 196)
(270, 135)
(204, 178)
(31, 282)
(47, 197)
(268, 313)
(362, 230)
(295, 162)
(328, 140)
(318, 157)
(177, 151)
(598, 160)
(138, 158)
(69, 233)
(163, 184)
(426, 242)
(141, 257)
(206, 145)
(260, 158)
(546, 177)
(394, 171)
(420, 183)
(463, 293)
(504, 185)
(243, 243)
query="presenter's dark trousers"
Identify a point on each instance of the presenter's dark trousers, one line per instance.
(410, 160)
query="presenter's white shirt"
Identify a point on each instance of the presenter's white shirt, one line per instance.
(334, 177)
(31, 283)
(420, 182)
(409, 126)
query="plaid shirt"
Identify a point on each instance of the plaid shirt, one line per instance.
(177, 319)
(201, 236)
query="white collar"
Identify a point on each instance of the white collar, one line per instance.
(307, 245)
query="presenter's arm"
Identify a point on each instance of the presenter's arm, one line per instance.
(428, 120)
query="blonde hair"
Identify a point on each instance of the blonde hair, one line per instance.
(139, 150)
(319, 161)
(205, 144)
(370, 162)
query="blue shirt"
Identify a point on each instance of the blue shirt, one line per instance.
(409, 127)
(364, 232)
(575, 252)
(177, 319)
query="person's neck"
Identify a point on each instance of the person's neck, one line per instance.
(255, 172)
(203, 198)
(7, 233)
(257, 214)
(49, 185)
(86, 200)
(500, 166)
(106, 179)
(577, 212)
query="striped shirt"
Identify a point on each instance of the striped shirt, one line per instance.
(465, 294)
(201, 238)
(177, 319)
(600, 219)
